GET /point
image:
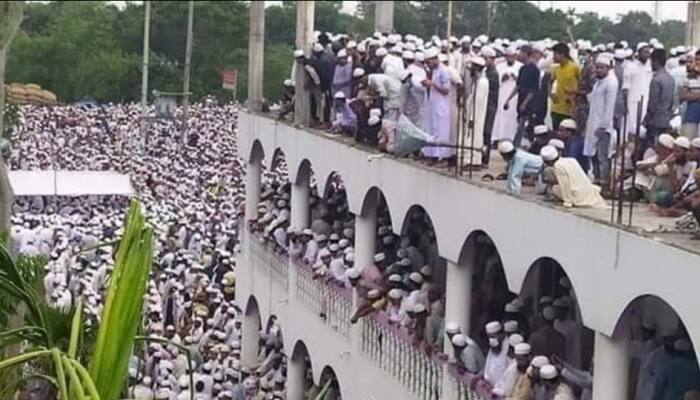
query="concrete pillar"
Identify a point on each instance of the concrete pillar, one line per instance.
(300, 201)
(304, 40)
(384, 16)
(256, 55)
(296, 378)
(692, 27)
(250, 339)
(365, 236)
(611, 360)
(458, 295)
(252, 188)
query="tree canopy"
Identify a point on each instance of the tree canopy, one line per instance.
(81, 49)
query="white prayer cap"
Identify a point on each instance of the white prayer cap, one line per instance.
(522, 349)
(682, 142)
(298, 53)
(510, 326)
(373, 294)
(695, 143)
(681, 50)
(147, 380)
(452, 328)
(419, 56)
(395, 278)
(361, 48)
(511, 308)
(288, 82)
(505, 146)
(568, 124)
(318, 48)
(339, 95)
(442, 57)
(307, 232)
(425, 270)
(377, 34)
(604, 58)
(376, 112)
(395, 294)
(629, 52)
(358, 72)
(408, 55)
(548, 372)
(624, 44)
(620, 54)
(381, 52)
(350, 257)
(342, 53)
(373, 120)
(406, 262)
(511, 51)
(487, 51)
(353, 273)
(348, 232)
(419, 308)
(431, 53)
(515, 339)
(389, 239)
(540, 129)
(459, 340)
(392, 39)
(557, 144)
(396, 50)
(409, 46)
(658, 45)
(351, 44)
(493, 327)
(416, 277)
(666, 140)
(641, 45)
(333, 248)
(321, 238)
(477, 60)
(465, 39)
(379, 257)
(549, 153)
(343, 243)
(539, 361)
(163, 393)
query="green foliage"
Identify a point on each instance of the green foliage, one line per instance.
(10, 18)
(93, 49)
(122, 313)
(31, 270)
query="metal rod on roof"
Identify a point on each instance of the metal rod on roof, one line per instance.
(634, 158)
(620, 194)
(611, 186)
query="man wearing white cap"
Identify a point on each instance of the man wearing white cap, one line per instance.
(497, 358)
(572, 186)
(415, 102)
(345, 118)
(476, 115)
(438, 117)
(506, 120)
(468, 354)
(555, 387)
(388, 89)
(521, 164)
(599, 125)
(635, 85)
(342, 75)
(515, 371)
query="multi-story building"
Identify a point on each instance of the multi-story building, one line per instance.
(619, 275)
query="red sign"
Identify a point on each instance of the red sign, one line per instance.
(228, 79)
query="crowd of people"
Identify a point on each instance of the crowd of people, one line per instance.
(192, 195)
(626, 113)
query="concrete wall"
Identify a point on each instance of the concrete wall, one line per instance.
(608, 267)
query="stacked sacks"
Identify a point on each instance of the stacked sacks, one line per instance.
(29, 94)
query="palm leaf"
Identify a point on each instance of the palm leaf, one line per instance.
(122, 313)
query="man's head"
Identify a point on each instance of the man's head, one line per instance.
(561, 53)
(658, 59)
(526, 53)
(549, 376)
(522, 356)
(431, 57)
(643, 53)
(507, 149)
(603, 63)
(680, 148)
(549, 155)
(495, 334)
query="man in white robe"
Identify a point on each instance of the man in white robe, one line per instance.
(635, 85)
(457, 83)
(438, 123)
(506, 121)
(476, 114)
(414, 106)
(497, 358)
(572, 184)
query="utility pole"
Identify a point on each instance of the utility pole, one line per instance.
(449, 20)
(256, 55)
(488, 18)
(186, 79)
(144, 72)
(383, 16)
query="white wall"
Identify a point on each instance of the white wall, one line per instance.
(608, 267)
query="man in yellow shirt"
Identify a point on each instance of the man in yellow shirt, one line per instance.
(566, 77)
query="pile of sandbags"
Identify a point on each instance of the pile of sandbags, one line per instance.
(30, 93)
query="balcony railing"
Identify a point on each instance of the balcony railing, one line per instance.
(387, 345)
(393, 350)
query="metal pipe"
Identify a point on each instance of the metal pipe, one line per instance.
(634, 159)
(144, 68)
(186, 78)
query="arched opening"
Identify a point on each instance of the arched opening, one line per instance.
(257, 152)
(663, 360)
(274, 207)
(300, 372)
(250, 345)
(489, 287)
(547, 299)
(328, 385)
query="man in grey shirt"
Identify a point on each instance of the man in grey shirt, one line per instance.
(660, 105)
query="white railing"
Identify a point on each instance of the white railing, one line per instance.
(328, 300)
(469, 387)
(275, 265)
(393, 349)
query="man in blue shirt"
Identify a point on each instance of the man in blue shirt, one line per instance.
(521, 164)
(573, 142)
(527, 86)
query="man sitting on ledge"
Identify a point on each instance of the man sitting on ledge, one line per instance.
(571, 184)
